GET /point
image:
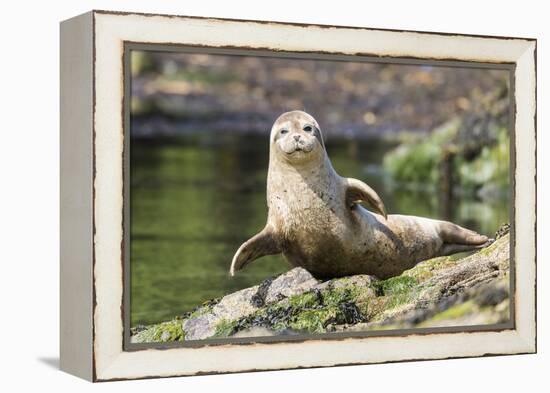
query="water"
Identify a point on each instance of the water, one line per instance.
(194, 200)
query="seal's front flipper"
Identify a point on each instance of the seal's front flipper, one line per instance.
(261, 244)
(357, 192)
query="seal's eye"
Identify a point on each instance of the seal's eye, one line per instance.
(308, 128)
(284, 131)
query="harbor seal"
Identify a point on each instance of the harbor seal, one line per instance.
(316, 220)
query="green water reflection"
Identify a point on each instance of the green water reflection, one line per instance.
(194, 200)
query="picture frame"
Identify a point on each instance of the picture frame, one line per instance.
(94, 299)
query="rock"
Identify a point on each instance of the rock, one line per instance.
(503, 230)
(247, 301)
(360, 280)
(294, 282)
(200, 327)
(445, 291)
(479, 305)
(161, 332)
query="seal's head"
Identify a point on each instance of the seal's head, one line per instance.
(296, 138)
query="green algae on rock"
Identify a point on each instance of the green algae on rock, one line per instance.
(162, 332)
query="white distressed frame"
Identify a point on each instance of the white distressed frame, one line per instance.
(109, 361)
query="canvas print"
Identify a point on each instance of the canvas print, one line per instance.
(282, 196)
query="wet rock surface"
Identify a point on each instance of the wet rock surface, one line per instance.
(446, 291)
(175, 93)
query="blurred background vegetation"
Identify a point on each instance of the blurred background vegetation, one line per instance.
(433, 141)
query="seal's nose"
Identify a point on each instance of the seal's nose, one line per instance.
(296, 138)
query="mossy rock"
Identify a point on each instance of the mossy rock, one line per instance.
(480, 166)
(162, 332)
(461, 289)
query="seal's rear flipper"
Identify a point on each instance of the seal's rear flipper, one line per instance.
(455, 234)
(357, 192)
(449, 249)
(261, 244)
(458, 239)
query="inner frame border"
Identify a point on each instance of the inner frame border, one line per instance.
(129, 46)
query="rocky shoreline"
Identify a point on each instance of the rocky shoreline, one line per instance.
(445, 291)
